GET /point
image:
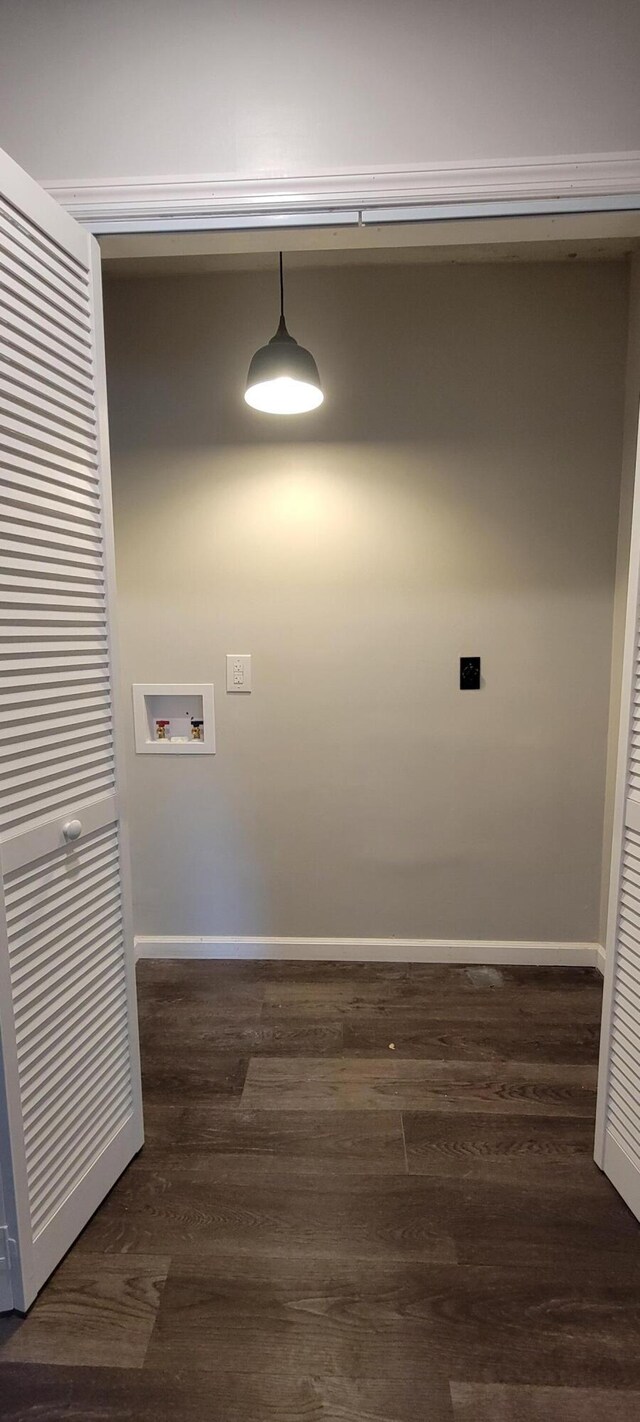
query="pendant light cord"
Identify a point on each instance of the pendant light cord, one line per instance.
(281, 290)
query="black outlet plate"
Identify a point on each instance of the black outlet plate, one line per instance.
(469, 673)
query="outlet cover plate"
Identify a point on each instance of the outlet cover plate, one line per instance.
(239, 671)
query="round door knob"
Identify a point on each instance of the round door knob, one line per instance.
(72, 830)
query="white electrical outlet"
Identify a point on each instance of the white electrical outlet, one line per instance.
(238, 671)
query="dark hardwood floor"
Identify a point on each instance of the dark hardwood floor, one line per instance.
(367, 1195)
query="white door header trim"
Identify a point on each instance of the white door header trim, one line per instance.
(574, 183)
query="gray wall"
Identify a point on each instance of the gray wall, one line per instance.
(457, 493)
(118, 90)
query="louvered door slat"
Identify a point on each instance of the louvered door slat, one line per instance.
(47, 434)
(67, 974)
(42, 658)
(51, 1159)
(52, 1112)
(14, 593)
(61, 1091)
(628, 1059)
(629, 915)
(618, 1125)
(18, 517)
(24, 261)
(46, 1032)
(35, 774)
(66, 1039)
(105, 1112)
(627, 1027)
(70, 1065)
(66, 932)
(52, 574)
(56, 715)
(52, 383)
(43, 317)
(33, 967)
(71, 1082)
(27, 332)
(42, 749)
(44, 505)
(28, 392)
(42, 706)
(34, 621)
(72, 1002)
(632, 881)
(71, 469)
(40, 251)
(42, 476)
(40, 290)
(54, 729)
(77, 673)
(39, 475)
(24, 402)
(65, 905)
(623, 1124)
(16, 553)
(47, 359)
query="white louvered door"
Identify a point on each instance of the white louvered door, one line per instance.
(617, 1149)
(70, 1101)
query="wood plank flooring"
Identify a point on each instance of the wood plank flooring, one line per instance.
(367, 1194)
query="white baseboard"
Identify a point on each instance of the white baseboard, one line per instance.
(376, 950)
(601, 958)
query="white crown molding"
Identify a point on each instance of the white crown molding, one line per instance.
(123, 203)
(371, 950)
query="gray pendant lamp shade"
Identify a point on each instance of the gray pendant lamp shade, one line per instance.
(283, 377)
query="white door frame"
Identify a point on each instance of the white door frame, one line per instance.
(620, 813)
(382, 196)
(602, 183)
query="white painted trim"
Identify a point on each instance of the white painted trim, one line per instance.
(6, 1284)
(601, 958)
(621, 808)
(6, 1291)
(370, 950)
(74, 1213)
(132, 1135)
(25, 197)
(142, 691)
(128, 204)
(622, 1171)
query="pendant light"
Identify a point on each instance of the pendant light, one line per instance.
(283, 377)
